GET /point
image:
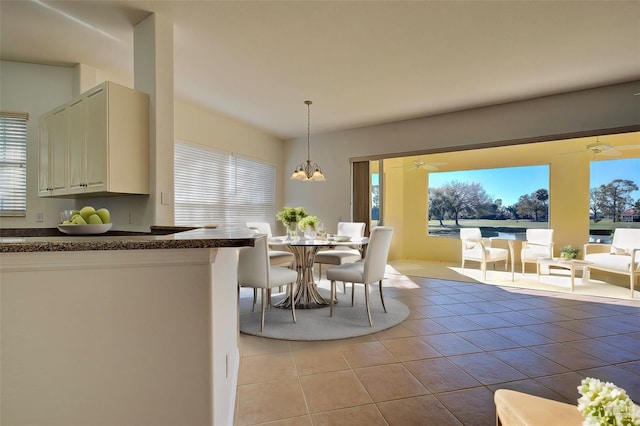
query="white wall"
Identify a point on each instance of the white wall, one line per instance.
(37, 89)
(582, 111)
(34, 89)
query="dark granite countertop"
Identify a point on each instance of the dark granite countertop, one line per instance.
(115, 240)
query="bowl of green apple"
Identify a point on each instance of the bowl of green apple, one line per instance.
(86, 221)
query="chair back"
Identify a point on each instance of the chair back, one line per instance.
(470, 234)
(351, 229)
(262, 227)
(543, 237)
(375, 261)
(625, 240)
(253, 265)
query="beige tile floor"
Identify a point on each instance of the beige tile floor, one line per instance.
(461, 342)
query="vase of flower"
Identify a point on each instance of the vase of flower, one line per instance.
(308, 226)
(290, 216)
(309, 234)
(292, 231)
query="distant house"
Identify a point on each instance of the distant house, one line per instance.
(631, 215)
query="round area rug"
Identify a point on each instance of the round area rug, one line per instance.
(315, 324)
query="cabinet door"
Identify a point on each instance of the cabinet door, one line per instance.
(77, 155)
(58, 138)
(96, 140)
(52, 154)
(44, 174)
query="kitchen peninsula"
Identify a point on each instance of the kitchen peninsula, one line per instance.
(120, 329)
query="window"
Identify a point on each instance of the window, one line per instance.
(13, 164)
(503, 201)
(213, 187)
(614, 197)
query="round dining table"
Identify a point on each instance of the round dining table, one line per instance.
(305, 294)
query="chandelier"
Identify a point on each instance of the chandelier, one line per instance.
(307, 171)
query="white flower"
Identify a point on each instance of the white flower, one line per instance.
(603, 403)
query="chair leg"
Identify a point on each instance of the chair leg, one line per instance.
(353, 290)
(331, 297)
(293, 302)
(381, 297)
(255, 296)
(319, 271)
(264, 308)
(366, 299)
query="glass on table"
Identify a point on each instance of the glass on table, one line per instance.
(321, 231)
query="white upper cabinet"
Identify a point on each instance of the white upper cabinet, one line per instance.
(107, 143)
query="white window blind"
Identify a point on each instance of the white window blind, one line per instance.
(212, 187)
(13, 163)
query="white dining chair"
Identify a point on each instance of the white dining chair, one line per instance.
(255, 271)
(276, 257)
(478, 249)
(539, 243)
(366, 271)
(343, 254)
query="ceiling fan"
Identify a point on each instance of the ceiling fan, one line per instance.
(605, 149)
(432, 166)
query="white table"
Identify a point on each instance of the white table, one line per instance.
(569, 264)
(306, 295)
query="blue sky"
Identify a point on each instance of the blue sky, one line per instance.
(505, 183)
(603, 172)
(510, 183)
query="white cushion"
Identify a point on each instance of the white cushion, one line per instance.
(615, 262)
(626, 238)
(491, 253)
(534, 252)
(349, 272)
(620, 250)
(337, 257)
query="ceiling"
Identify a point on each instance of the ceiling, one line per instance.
(361, 62)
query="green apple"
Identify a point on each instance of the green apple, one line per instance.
(104, 215)
(87, 211)
(94, 219)
(79, 220)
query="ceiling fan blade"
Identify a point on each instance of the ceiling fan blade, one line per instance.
(429, 167)
(611, 153)
(627, 147)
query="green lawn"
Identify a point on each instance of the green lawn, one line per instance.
(449, 227)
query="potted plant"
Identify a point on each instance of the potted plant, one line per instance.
(569, 252)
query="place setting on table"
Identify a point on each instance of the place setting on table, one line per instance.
(307, 239)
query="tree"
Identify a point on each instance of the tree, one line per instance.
(468, 198)
(534, 205)
(617, 196)
(437, 204)
(542, 196)
(597, 202)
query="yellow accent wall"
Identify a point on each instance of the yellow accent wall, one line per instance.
(569, 164)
